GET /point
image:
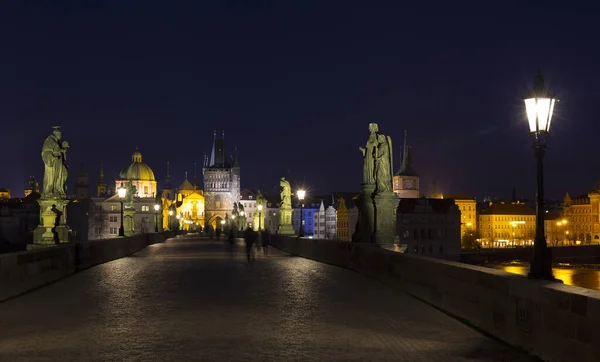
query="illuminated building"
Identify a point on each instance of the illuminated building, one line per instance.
(190, 205)
(468, 211)
(103, 214)
(221, 183)
(248, 201)
(507, 225)
(582, 215)
(140, 174)
(556, 229)
(406, 181)
(429, 227)
(4, 194)
(325, 221)
(343, 231)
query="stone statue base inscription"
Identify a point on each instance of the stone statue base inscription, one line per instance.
(129, 222)
(386, 204)
(53, 229)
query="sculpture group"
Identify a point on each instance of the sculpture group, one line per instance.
(378, 203)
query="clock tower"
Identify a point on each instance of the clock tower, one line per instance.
(406, 180)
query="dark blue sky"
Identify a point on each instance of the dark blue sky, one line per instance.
(295, 84)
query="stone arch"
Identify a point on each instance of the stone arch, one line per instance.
(215, 220)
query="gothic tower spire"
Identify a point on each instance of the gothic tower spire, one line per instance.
(101, 184)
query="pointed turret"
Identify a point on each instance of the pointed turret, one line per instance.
(406, 165)
(218, 156)
(168, 178)
(101, 184)
(236, 160)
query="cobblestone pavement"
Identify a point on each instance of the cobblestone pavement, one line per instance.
(188, 300)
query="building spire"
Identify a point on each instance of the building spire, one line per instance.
(223, 134)
(406, 164)
(101, 184)
(186, 174)
(212, 154)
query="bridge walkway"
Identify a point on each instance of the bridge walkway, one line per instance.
(187, 299)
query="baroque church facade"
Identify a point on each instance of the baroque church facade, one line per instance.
(221, 183)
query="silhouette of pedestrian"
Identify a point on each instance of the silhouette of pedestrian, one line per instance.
(250, 238)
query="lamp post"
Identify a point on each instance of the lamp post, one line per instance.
(242, 223)
(260, 207)
(301, 194)
(156, 207)
(540, 106)
(122, 191)
(169, 224)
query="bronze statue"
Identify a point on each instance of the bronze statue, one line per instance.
(54, 155)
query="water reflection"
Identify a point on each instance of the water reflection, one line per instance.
(581, 277)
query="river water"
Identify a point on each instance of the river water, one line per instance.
(570, 274)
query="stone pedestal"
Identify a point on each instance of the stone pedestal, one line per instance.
(129, 222)
(53, 227)
(386, 205)
(366, 220)
(285, 222)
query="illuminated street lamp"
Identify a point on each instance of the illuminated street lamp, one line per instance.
(156, 207)
(122, 191)
(301, 194)
(260, 207)
(540, 106)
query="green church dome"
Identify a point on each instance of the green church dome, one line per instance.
(137, 170)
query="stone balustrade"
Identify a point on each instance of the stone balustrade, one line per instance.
(23, 271)
(554, 321)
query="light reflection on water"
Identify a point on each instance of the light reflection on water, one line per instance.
(581, 277)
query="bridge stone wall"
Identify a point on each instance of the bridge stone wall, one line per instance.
(27, 270)
(553, 321)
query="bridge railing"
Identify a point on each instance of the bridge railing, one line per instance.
(23, 271)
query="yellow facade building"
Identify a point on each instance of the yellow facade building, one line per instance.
(507, 225)
(468, 211)
(582, 216)
(190, 202)
(342, 221)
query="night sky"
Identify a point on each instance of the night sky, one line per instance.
(294, 85)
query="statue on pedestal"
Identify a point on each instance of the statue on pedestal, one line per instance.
(286, 193)
(53, 227)
(377, 214)
(285, 209)
(54, 155)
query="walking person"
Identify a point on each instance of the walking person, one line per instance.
(250, 238)
(264, 241)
